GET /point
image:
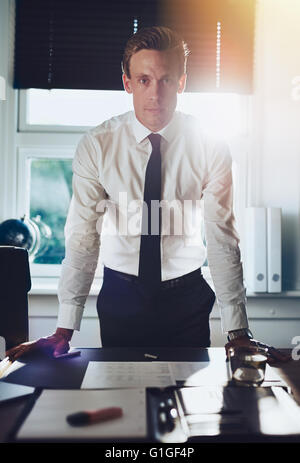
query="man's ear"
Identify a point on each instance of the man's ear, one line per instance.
(181, 83)
(126, 83)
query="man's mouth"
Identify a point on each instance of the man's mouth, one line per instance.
(154, 110)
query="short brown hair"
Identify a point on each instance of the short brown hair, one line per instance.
(155, 38)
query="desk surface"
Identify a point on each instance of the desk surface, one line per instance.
(44, 372)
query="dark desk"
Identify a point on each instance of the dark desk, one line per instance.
(47, 373)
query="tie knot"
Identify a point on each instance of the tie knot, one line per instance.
(155, 140)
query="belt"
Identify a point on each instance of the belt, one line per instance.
(173, 283)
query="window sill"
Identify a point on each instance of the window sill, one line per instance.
(48, 286)
(283, 294)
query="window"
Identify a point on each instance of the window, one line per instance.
(81, 109)
(47, 141)
(78, 109)
(50, 194)
(47, 185)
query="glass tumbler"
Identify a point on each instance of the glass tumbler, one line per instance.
(248, 365)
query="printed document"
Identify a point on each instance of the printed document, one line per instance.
(102, 375)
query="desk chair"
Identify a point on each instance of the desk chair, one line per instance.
(15, 282)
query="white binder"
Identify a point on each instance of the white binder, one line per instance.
(2, 348)
(274, 249)
(256, 249)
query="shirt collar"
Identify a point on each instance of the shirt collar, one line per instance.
(141, 132)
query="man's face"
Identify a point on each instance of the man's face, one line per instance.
(154, 84)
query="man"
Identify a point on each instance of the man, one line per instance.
(153, 292)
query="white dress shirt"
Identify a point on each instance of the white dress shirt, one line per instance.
(108, 184)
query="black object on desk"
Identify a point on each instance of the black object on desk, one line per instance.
(15, 283)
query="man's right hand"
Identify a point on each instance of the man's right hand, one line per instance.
(56, 344)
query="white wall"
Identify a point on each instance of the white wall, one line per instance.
(276, 124)
(3, 73)
(8, 114)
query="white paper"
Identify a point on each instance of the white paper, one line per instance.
(200, 373)
(202, 400)
(47, 420)
(102, 375)
(183, 370)
(7, 367)
(271, 375)
(210, 373)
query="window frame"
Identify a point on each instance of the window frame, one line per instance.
(23, 126)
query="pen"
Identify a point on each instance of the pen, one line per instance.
(96, 416)
(74, 353)
(151, 356)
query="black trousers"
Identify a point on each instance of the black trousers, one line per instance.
(175, 315)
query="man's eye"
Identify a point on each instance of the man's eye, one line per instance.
(143, 81)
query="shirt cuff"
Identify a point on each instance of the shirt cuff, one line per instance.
(69, 317)
(234, 317)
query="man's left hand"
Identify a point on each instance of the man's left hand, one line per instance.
(274, 355)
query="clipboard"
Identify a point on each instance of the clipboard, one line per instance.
(207, 411)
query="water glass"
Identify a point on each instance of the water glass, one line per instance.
(248, 365)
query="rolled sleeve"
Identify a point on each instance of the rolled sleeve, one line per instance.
(234, 318)
(69, 317)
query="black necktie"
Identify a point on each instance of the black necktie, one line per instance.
(150, 263)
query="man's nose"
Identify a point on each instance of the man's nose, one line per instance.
(155, 91)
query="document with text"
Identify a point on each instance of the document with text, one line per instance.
(102, 375)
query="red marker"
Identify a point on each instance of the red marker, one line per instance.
(91, 417)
